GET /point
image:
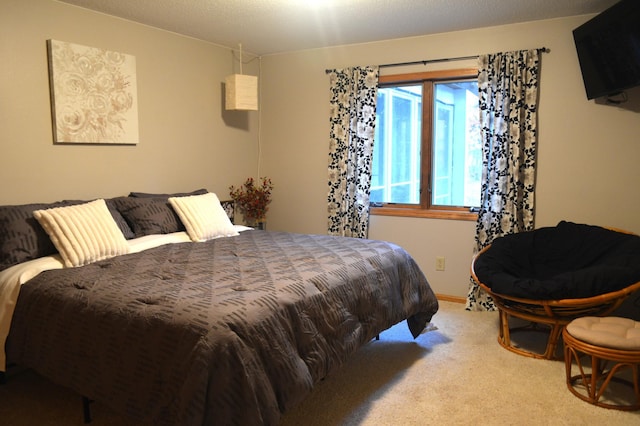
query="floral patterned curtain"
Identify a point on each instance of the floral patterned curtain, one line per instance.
(508, 88)
(352, 115)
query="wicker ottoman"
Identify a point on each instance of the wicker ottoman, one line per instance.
(604, 349)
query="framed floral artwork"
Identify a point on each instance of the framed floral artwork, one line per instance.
(93, 94)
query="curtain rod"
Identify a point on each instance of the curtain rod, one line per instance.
(430, 61)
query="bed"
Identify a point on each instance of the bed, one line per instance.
(232, 329)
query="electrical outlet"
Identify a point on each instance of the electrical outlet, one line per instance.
(440, 263)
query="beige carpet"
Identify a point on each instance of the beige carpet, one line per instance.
(454, 375)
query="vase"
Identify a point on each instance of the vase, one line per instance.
(257, 223)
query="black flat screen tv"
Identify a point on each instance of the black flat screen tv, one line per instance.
(608, 48)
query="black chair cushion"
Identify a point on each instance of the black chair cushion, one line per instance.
(568, 261)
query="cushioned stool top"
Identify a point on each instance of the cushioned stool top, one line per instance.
(609, 332)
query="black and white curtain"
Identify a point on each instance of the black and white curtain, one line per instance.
(508, 88)
(353, 115)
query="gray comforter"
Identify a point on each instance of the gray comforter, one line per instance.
(231, 331)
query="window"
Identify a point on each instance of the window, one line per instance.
(427, 158)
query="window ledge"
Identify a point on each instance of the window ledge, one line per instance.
(430, 214)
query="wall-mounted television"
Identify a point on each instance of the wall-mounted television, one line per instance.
(608, 48)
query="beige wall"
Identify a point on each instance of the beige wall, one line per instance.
(187, 139)
(588, 153)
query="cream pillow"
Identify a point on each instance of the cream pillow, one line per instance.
(203, 216)
(83, 233)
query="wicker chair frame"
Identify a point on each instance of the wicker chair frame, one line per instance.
(548, 316)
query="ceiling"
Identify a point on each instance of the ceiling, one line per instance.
(265, 27)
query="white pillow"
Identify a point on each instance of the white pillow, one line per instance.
(83, 233)
(203, 216)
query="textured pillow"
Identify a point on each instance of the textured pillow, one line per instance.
(122, 224)
(21, 237)
(203, 216)
(120, 221)
(148, 216)
(83, 233)
(177, 194)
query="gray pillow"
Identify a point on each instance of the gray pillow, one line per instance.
(167, 196)
(122, 223)
(21, 236)
(148, 216)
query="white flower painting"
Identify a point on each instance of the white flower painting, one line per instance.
(93, 94)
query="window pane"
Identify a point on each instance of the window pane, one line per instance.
(396, 156)
(401, 193)
(377, 167)
(377, 195)
(442, 150)
(457, 149)
(401, 140)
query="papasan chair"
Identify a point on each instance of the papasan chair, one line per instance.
(550, 276)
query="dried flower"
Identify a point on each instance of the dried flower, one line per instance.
(253, 200)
